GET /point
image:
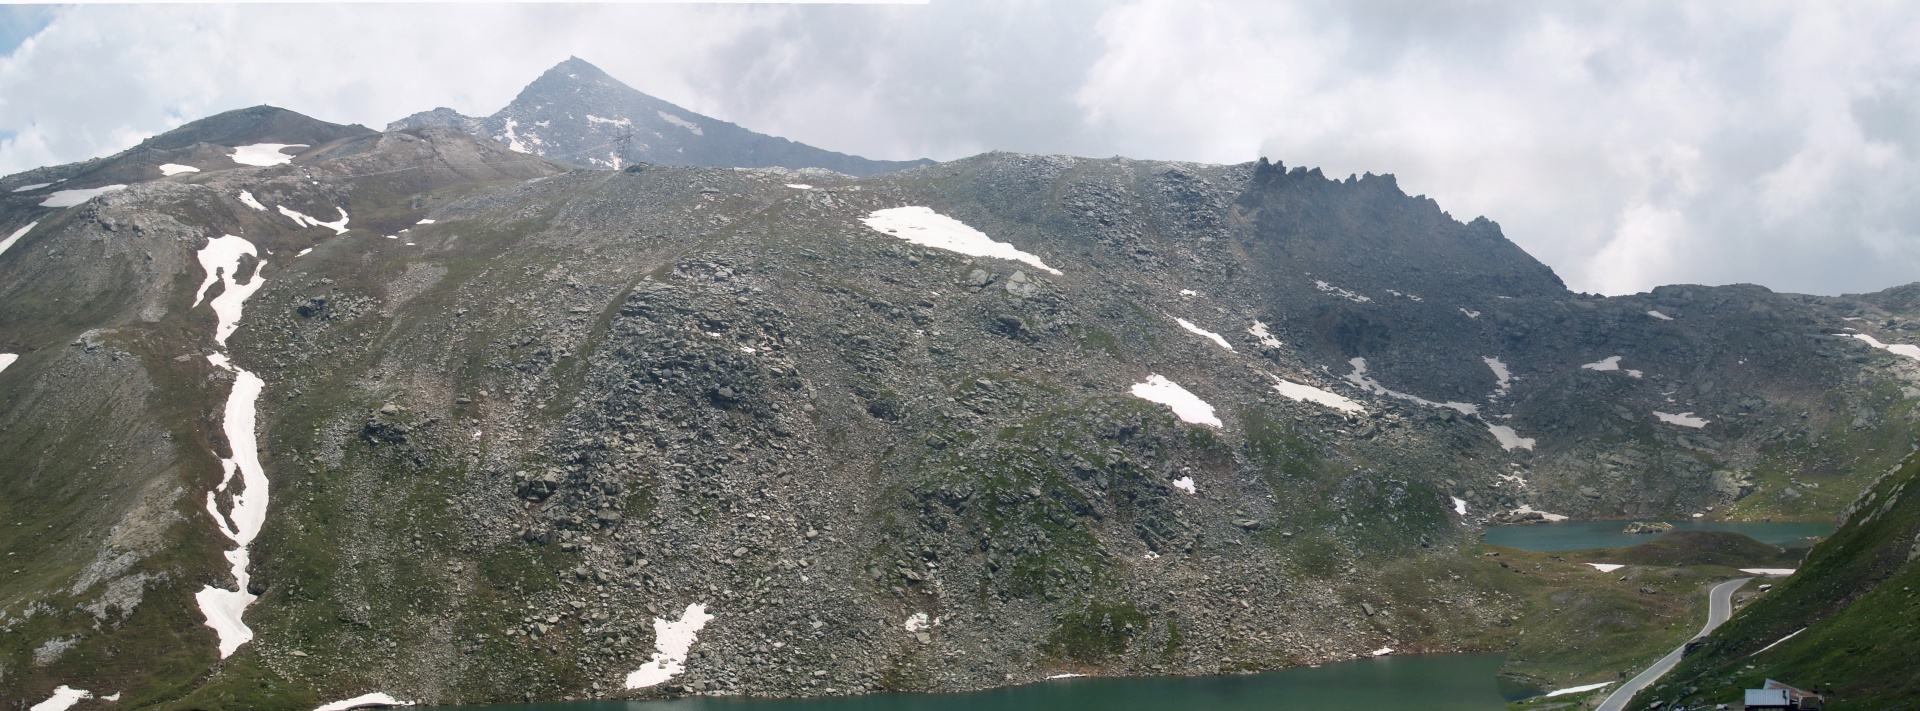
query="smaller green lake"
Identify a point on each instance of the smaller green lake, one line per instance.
(1577, 535)
(1428, 682)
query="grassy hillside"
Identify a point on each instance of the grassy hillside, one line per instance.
(1854, 607)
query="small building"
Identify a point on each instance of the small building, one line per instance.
(1775, 695)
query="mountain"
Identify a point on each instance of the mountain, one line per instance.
(576, 113)
(414, 414)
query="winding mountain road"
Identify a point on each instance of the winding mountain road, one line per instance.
(1719, 608)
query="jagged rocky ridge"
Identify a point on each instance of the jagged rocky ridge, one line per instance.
(514, 415)
(577, 113)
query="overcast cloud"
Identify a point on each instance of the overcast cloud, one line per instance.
(1625, 144)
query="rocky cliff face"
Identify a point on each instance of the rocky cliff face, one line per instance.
(576, 113)
(527, 428)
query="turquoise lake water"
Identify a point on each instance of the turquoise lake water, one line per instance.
(1428, 682)
(1576, 535)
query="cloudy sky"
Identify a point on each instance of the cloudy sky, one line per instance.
(1626, 144)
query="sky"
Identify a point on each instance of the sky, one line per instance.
(1625, 144)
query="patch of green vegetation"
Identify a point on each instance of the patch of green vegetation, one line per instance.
(1103, 340)
(1097, 632)
(1853, 609)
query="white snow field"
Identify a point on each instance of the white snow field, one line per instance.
(1659, 315)
(339, 226)
(1470, 314)
(1503, 378)
(922, 226)
(1459, 505)
(1770, 572)
(221, 259)
(264, 154)
(1607, 567)
(424, 222)
(246, 198)
(70, 198)
(1185, 405)
(15, 237)
(1901, 349)
(800, 186)
(513, 141)
(1185, 484)
(1684, 419)
(1509, 439)
(1259, 331)
(223, 608)
(171, 169)
(242, 523)
(1578, 689)
(375, 699)
(683, 123)
(1204, 333)
(7, 359)
(1308, 393)
(671, 640)
(63, 698)
(1608, 364)
(35, 186)
(596, 119)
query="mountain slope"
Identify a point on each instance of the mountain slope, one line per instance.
(513, 419)
(1845, 620)
(576, 113)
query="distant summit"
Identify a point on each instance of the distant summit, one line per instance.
(576, 113)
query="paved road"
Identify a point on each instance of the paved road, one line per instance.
(1719, 608)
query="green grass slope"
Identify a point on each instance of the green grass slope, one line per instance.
(1854, 597)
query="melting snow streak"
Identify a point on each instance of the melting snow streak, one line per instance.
(15, 237)
(1308, 393)
(1203, 333)
(1902, 349)
(363, 700)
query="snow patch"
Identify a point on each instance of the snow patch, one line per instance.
(671, 641)
(339, 226)
(424, 222)
(171, 169)
(1065, 676)
(303, 252)
(246, 198)
(1901, 349)
(1383, 651)
(1770, 572)
(1308, 393)
(1185, 405)
(1459, 505)
(376, 699)
(1204, 333)
(1503, 378)
(1684, 419)
(70, 198)
(924, 227)
(1659, 315)
(1607, 567)
(1359, 378)
(1509, 439)
(1611, 363)
(64, 697)
(916, 622)
(1189, 292)
(1259, 331)
(1470, 314)
(1342, 293)
(513, 141)
(1578, 689)
(1184, 483)
(800, 186)
(596, 119)
(35, 186)
(221, 260)
(264, 154)
(7, 359)
(15, 237)
(224, 608)
(683, 123)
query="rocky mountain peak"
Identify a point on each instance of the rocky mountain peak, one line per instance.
(577, 113)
